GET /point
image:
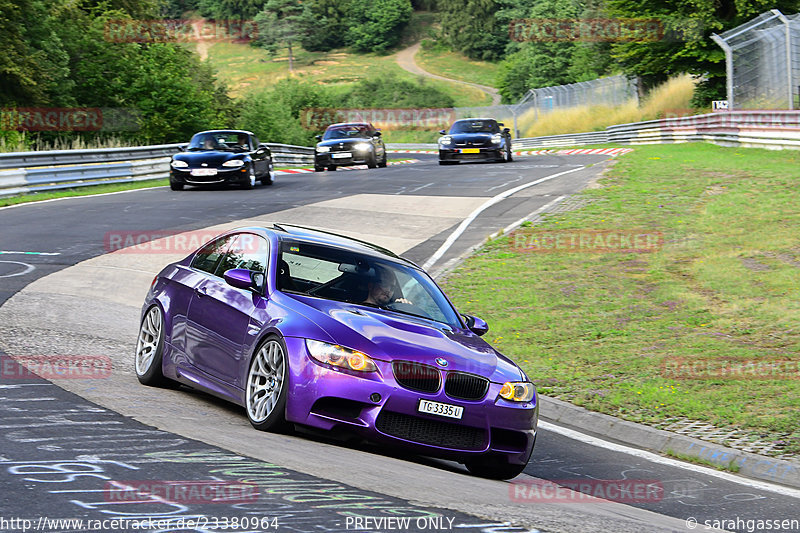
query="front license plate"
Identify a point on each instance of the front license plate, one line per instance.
(340, 155)
(470, 150)
(204, 172)
(441, 409)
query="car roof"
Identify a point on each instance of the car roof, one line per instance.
(294, 233)
(477, 118)
(224, 131)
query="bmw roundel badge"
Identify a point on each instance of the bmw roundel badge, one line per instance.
(441, 361)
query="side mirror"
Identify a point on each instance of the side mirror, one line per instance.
(376, 134)
(262, 150)
(183, 147)
(318, 137)
(263, 145)
(441, 132)
(500, 124)
(241, 278)
(506, 130)
(476, 325)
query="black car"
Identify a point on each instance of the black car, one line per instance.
(475, 139)
(350, 143)
(222, 156)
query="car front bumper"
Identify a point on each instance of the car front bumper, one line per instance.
(223, 175)
(329, 399)
(459, 154)
(325, 159)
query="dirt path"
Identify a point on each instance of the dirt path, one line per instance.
(202, 44)
(405, 58)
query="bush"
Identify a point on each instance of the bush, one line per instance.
(376, 25)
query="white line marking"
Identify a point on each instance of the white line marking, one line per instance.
(421, 187)
(38, 202)
(9, 252)
(655, 458)
(487, 204)
(28, 269)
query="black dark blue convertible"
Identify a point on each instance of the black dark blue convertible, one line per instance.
(475, 139)
(222, 157)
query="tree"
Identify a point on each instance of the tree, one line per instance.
(471, 27)
(377, 25)
(281, 22)
(324, 24)
(686, 46)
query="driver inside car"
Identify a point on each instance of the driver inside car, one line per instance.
(382, 288)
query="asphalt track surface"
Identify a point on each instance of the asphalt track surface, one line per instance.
(54, 441)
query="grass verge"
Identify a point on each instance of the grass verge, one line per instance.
(602, 330)
(82, 191)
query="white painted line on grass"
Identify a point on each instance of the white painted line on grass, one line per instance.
(667, 461)
(487, 204)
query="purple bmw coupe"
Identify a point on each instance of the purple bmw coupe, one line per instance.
(310, 328)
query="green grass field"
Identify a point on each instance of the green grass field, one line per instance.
(456, 66)
(604, 330)
(246, 68)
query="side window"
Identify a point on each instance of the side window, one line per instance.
(209, 255)
(254, 140)
(247, 251)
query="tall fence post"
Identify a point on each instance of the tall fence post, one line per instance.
(788, 31)
(728, 67)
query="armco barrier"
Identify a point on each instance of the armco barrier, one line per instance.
(61, 169)
(75, 168)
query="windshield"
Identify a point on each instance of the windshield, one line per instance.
(346, 132)
(346, 276)
(229, 141)
(475, 126)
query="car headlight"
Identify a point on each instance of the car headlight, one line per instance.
(497, 138)
(335, 355)
(323, 149)
(177, 163)
(518, 391)
(446, 140)
(362, 147)
(233, 163)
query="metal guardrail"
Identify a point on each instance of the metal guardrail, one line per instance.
(52, 170)
(60, 169)
(570, 139)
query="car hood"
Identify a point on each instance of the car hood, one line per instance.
(336, 142)
(212, 158)
(389, 336)
(472, 137)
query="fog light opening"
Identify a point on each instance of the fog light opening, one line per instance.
(375, 397)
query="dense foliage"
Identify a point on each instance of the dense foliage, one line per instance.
(67, 53)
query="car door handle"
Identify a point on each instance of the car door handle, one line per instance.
(201, 291)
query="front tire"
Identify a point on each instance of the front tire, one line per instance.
(448, 162)
(175, 186)
(331, 168)
(251, 179)
(371, 161)
(150, 349)
(384, 161)
(269, 177)
(267, 386)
